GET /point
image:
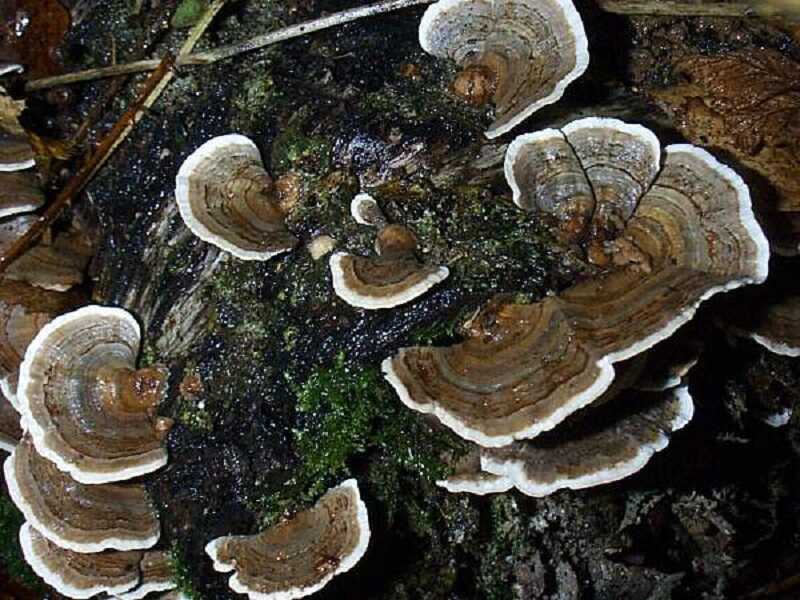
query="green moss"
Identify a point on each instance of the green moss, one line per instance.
(294, 150)
(194, 417)
(10, 553)
(188, 13)
(182, 573)
(346, 411)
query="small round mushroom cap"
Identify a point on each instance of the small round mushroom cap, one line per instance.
(614, 444)
(365, 210)
(19, 193)
(156, 576)
(24, 310)
(87, 407)
(10, 429)
(522, 53)
(78, 517)
(392, 278)
(226, 198)
(56, 264)
(298, 556)
(79, 575)
(691, 236)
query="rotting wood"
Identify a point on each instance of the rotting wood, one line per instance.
(225, 52)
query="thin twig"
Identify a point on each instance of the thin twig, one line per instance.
(225, 52)
(155, 84)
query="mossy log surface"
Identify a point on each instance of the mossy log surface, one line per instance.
(274, 383)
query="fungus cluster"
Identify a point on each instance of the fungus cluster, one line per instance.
(666, 238)
(88, 423)
(301, 554)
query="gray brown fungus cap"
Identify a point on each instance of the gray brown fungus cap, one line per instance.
(226, 198)
(520, 53)
(300, 555)
(394, 277)
(78, 517)
(87, 407)
(76, 575)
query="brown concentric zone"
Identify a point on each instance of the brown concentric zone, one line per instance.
(84, 518)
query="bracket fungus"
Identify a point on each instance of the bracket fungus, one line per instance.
(392, 278)
(54, 264)
(78, 517)
(522, 54)
(24, 310)
(612, 442)
(156, 576)
(79, 575)
(10, 429)
(300, 555)
(226, 198)
(87, 407)
(19, 193)
(524, 368)
(772, 322)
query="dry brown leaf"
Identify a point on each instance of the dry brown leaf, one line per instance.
(748, 104)
(30, 33)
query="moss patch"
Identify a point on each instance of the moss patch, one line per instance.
(188, 13)
(10, 553)
(346, 414)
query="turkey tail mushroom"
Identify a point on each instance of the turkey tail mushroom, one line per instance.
(87, 407)
(691, 235)
(298, 556)
(392, 278)
(227, 199)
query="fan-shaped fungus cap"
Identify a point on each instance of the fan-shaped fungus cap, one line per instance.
(56, 264)
(87, 408)
(24, 310)
(587, 178)
(78, 575)
(392, 278)
(774, 323)
(8, 67)
(611, 441)
(78, 517)
(227, 199)
(365, 211)
(525, 368)
(299, 556)
(10, 430)
(156, 576)
(19, 193)
(606, 448)
(520, 53)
